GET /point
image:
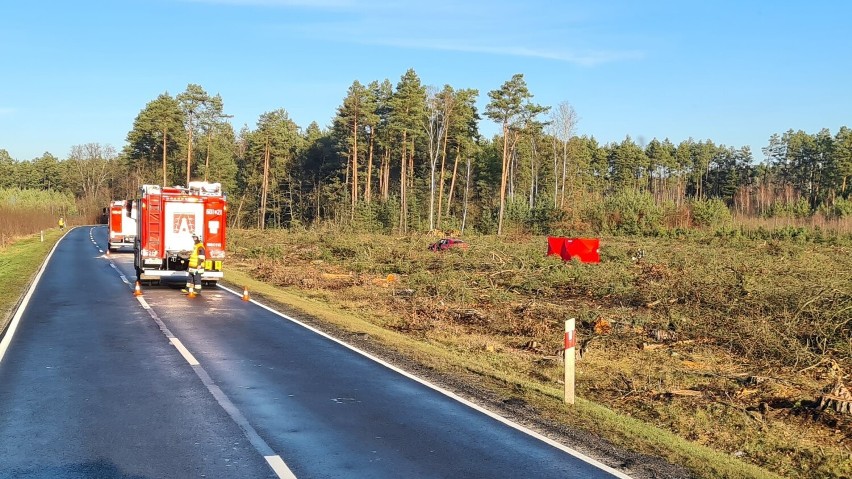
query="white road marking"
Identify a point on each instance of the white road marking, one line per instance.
(560, 446)
(280, 467)
(16, 319)
(273, 460)
(184, 352)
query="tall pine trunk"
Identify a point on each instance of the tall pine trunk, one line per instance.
(165, 182)
(189, 151)
(453, 178)
(403, 183)
(466, 195)
(264, 186)
(367, 188)
(354, 165)
(441, 177)
(503, 177)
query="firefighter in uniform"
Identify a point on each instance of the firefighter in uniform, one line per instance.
(196, 266)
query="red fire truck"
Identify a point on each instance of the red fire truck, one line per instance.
(122, 224)
(168, 217)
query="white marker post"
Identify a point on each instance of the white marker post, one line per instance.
(570, 344)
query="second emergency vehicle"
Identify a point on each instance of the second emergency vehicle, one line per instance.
(122, 224)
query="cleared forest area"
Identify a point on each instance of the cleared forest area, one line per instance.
(741, 343)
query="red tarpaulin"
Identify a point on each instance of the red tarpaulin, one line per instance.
(554, 245)
(584, 249)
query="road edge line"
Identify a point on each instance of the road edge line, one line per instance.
(579, 455)
(19, 311)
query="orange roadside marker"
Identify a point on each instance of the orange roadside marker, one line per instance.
(245, 294)
(138, 290)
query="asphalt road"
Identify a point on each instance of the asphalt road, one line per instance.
(96, 382)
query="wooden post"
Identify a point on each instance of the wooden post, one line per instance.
(570, 345)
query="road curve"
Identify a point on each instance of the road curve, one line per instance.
(98, 383)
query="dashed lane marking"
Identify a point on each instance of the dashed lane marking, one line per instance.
(184, 352)
(273, 460)
(280, 467)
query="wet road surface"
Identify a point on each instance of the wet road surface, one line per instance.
(98, 383)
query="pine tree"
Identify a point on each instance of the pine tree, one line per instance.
(157, 132)
(506, 108)
(406, 117)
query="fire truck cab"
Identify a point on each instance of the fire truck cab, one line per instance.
(168, 218)
(121, 220)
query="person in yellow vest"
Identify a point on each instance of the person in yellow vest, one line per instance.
(195, 267)
(62, 222)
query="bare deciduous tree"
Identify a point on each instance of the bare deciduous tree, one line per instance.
(563, 122)
(90, 167)
(438, 109)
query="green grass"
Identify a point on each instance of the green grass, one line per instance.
(19, 263)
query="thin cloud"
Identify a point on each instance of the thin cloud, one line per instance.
(474, 40)
(449, 26)
(589, 58)
(320, 4)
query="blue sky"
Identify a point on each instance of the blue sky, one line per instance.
(735, 72)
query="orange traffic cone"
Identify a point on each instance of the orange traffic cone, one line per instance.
(245, 294)
(138, 290)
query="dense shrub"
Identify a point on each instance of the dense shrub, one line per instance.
(841, 208)
(799, 208)
(626, 211)
(24, 212)
(712, 212)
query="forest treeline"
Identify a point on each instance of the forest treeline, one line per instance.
(407, 156)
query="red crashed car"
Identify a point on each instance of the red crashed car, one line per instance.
(447, 243)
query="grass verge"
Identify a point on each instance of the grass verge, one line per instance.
(19, 263)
